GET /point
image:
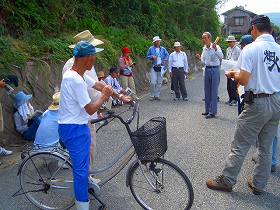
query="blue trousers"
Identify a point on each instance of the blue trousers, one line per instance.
(274, 150)
(211, 85)
(30, 133)
(76, 138)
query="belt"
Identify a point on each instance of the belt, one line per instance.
(262, 95)
(177, 67)
(210, 67)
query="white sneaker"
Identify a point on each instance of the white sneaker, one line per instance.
(95, 180)
(4, 152)
(82, 205)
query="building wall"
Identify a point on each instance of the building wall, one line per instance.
(231, 28)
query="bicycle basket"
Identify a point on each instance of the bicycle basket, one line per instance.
(150, 140)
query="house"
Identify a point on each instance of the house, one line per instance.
(237, 21)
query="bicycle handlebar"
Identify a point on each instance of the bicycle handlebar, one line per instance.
(113, 115)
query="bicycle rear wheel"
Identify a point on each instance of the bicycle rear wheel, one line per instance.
(160, 184)
(46, 180)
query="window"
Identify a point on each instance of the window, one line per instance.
(239, 21)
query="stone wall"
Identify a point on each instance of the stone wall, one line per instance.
(41, 79)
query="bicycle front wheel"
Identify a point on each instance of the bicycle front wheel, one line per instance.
(160, 184)
(46, 180)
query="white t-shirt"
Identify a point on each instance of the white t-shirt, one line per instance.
(262, 60)
(73, 98)
(88, 76)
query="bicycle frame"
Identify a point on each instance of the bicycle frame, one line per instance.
(122, 159)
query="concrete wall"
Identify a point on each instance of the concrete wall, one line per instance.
(41, 80)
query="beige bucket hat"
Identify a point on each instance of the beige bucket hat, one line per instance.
(177, 44)
(231, 38)
(55, 103)
(86, 36)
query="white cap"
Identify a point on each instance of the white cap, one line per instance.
(156, 38)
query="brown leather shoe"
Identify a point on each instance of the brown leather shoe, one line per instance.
(219, 183)
(253, 189)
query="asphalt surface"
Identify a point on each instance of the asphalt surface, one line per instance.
(197, 145)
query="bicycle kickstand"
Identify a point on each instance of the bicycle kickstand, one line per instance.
(103, 206)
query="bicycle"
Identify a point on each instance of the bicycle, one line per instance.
(46, 179)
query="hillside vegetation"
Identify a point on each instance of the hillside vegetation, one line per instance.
(42, 30)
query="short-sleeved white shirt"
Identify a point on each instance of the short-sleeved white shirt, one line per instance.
(262, 60)
(73, 98)
(89, 77)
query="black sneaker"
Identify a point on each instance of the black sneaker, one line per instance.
(209, 116)
(185, 99)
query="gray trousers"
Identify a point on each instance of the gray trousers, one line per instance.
(257, 121)
(156, 81)
(211, 85)
(178, 80)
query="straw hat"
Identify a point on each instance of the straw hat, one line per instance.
(55, 103)
(100, 74)
(177, 44)
(86, 36)
(156, 38)
(231, 38)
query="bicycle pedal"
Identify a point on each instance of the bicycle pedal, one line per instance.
(157, 171)
(95, 188)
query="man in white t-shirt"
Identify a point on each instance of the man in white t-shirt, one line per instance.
(90, 74)
(74, 113)
(260, 74)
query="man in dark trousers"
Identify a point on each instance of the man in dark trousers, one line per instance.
(178, 68)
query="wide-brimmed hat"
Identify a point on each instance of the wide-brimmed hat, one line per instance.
(231, 38)
(86, 36)
(177, 44)
(126, 50)
(100, 74)
(156, 38)
(55, 103)
(84, 49)
(21, 98)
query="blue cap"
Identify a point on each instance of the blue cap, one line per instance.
(84, 49)
(246, 39)
(21, 98)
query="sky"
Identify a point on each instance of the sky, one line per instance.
(256, 6)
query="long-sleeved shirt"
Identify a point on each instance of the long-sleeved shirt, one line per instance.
(113, 82)
(178, 60)
(20, 124)
(211, 57)
(233, 53)
(161, 54)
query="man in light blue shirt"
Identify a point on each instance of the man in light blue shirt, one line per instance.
(159, 57)
(47, 133)
(211, 57)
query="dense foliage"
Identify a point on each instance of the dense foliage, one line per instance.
(43, 29)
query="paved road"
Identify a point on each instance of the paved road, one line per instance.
(197, 145)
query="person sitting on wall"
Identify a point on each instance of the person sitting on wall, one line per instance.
(26, 121)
